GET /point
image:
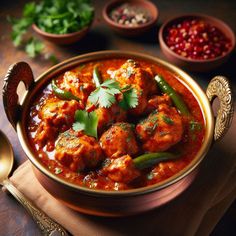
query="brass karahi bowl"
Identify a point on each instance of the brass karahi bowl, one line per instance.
(115, 203)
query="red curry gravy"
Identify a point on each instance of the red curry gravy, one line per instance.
(188, 146)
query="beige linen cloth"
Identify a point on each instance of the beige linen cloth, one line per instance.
(194, 212)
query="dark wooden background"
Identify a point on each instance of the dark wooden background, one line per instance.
(13, 218)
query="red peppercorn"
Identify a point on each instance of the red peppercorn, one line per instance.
(195, 39)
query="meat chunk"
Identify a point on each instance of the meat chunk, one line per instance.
(72, 83)
(131, 73)
(119, 140)
(107, 116)
(58, 112)
(161, 129)
(121, 169)
(155, 101)
(56, 115)
(77, 151)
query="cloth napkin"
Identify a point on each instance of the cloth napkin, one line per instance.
(195, 212)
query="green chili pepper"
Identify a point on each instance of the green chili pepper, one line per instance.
(177, 100)
(150, 159)
(65, 95)
(97, 76)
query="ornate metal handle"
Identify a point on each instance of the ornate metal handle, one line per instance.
(45, 223)
(18, 72)
(220, 87)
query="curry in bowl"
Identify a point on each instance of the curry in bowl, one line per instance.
(115, 124)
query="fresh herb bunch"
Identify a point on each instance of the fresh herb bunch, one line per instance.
(52, 16)
(62, 17)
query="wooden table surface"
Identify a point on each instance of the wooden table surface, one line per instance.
(14, 220)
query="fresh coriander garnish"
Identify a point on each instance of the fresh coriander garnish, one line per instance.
(104, 95)
(130, 98)
(167, 120)
(87, 122)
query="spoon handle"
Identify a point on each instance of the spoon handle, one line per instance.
(46, 224)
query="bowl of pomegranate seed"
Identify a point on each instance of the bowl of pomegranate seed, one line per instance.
(196, 42)
(130, 17)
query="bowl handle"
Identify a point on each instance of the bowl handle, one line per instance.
(220, 87)
(17, 72)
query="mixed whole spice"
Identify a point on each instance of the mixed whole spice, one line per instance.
(130, 15)
(196, 39)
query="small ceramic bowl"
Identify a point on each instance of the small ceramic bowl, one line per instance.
(128, 30)
(63, 39)
(186, 61)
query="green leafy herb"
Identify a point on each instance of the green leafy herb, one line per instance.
(57, 170)
(34, 47)
(150, 176)
(104, 95)
(167, 120)
(51, 57)
(194, 126)
(62, 17)
(130, 98)
(52, 16)
(86, 121)
(19, 28)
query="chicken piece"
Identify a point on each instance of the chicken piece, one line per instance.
(119, 140)
(46, 135)
(59, 112)
(71, 82)
(77, 151)
(161, 129)
(107, 116)
(121, 169)
(56, 115)
(155, 101)
(141, 79)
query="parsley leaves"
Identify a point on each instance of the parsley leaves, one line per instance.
(87, 122)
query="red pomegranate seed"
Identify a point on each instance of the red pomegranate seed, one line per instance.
(193, 38)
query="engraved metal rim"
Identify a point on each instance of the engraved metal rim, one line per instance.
(70, 63)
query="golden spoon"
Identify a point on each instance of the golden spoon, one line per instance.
(45, 223)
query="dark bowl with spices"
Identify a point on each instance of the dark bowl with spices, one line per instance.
(196, 42)
(130, 18)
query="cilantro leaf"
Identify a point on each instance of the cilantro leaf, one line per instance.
(34, 47)
(130, 98)
(52, 16)
(19, 28)
(86, 121)
(104, 95)
(110, 83)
